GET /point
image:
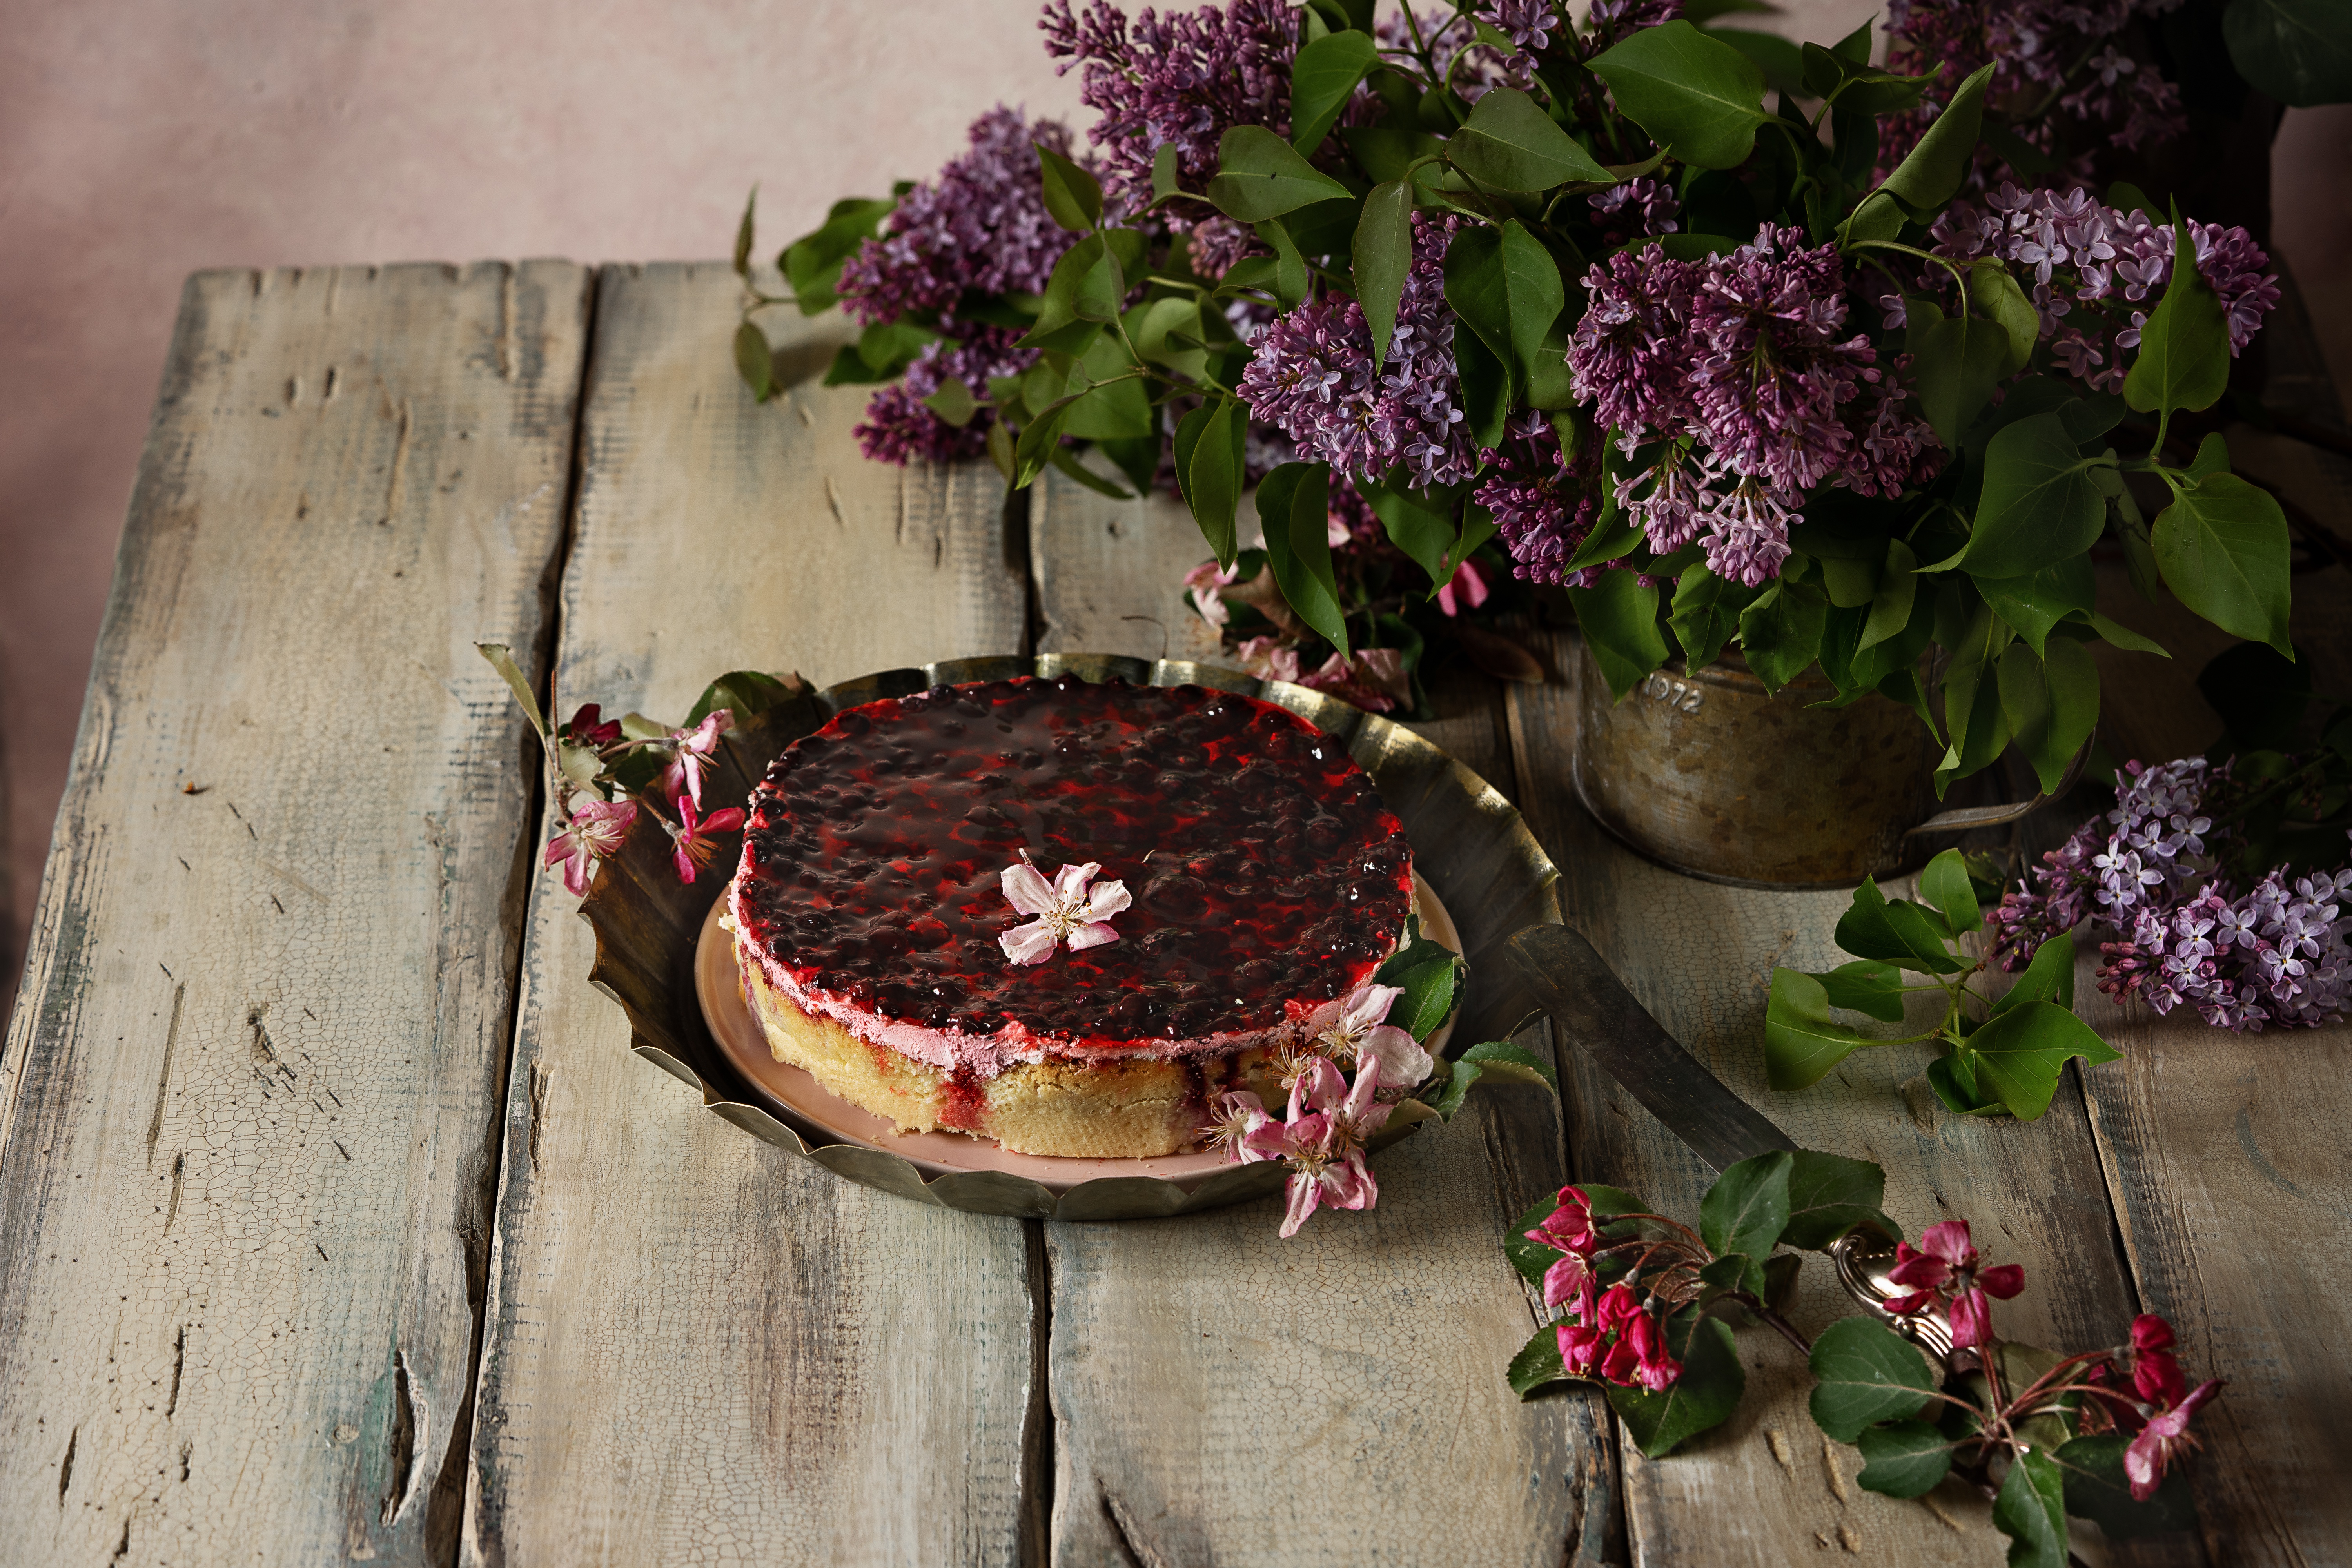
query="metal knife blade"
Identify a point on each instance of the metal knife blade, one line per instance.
(1576, 986)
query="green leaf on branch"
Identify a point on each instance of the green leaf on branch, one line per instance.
(2296, 52)
(743, 232)
(953, 401)
(1619, 617)
(1532, 282)
(1801, 1041)
(1867, 986)
(1896, 932)
(1419, 522)
(1294, 503)
(1783, 62)
(1780, 631)
(1748, 1208)
(1259, 175)
(812, 264)
(2051, 703)
(1903, 1459)
(1707, 610)
(1997, 294)
(1487, 393)
(2048, 978)
(2097, 1490)
(2018, 1054)
(2033, 605)
(1945, 884)
(1383, 258)
(1322, 79)
(1697, 96)
(1898, 590)
(2184, 347)
(754, 362)
(2224, 549)
(1956, 361)
(1514, 1064)
(2031, 1511)
(1931, 173)
(1704, 1396)
(1166, 170)
(746, 693)
(1866, 1373)
(1538, 1365)
(1512, 144)
(1072, 199)
(1209, 469)
(2039, 504)
(1290, 273)
(501, 658)
(1830, 1195)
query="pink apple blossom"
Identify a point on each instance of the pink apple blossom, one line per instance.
(692, 842)
(1469, 583)
(1351, 1028)
(596, 831)
(2161, 1442)
(1943, 1272)
(693, 754)
(1067, 909)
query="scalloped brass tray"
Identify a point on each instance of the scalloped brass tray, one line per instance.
(1468, 840)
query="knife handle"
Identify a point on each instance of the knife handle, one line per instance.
(1600, 1016)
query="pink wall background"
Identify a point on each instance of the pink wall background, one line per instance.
(144, 138)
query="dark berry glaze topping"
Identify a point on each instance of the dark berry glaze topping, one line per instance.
(1265, 869)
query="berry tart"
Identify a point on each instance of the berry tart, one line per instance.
(1063, 915)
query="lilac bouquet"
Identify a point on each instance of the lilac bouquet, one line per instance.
(1741, 343)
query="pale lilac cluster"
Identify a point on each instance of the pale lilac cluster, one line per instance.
(2273, 954)
(2104, 267)
(2039, 49)
(898, 429)
(1543, 507)
(1737, 363)
(1180, 79)
(979, 227)
(1635, 210)
(1312, 379)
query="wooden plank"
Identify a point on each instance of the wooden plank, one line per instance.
(1765, 1488)
(2227, 1155)
(700, 1347)
(249, 1116)
(1221, 1395)
(1110, 573)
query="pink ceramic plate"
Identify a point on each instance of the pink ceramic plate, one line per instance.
(798, 1096)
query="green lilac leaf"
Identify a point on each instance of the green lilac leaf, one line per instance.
(1486, 389)
(1165, 169)
(1512, 144)
(1385, 152)
(2033, 605)
(1748, 1208)
(1058, 305)
(1931, 174)
(2018, 1054)
(1945, 884)
(2051, 703)
(1898, 591)
(1866, 985)
(744, 231)
(1293, 502)
(1478, 288)
(1072, 199)
(1037, 442)
(754, 362)
(1383, 257)
(1801, 1041)
(1064, 460)
(1903, 1459)
(2031, 1511)
(1290, 273)
(501, 658)
(1781, 632)
(953, 401)
(1955, 363)
(1851, 584)
(1419, 524)
(2224, 549)
(2184, 348)
(1866, 1373)
(1973, 714)
(1323, 76)
(1706, 1393)
(1830, 1195)
(2097, 1490)
(1619, 617)
(1501, 1059)
(2050, 977)
(1531, 278)
(2296, 52)
(1706, 611)
(1697, 96)
(1952, 1079)
(812, 264)
(1260, 176)
(1898, 931)
(1997, 294)
(1783, 62)
(1209, 465)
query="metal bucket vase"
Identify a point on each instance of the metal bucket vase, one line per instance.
(1708, 774)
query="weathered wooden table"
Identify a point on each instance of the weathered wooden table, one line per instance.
(337, 1221)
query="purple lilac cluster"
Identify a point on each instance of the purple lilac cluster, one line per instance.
(1738, 363)
(2108, 265)
(2273, 954)
(979, 227)
(1312, 379)
(1543, 507)
(1635, 210)
(2040, 49)
(1181, 78)
(898, 429)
